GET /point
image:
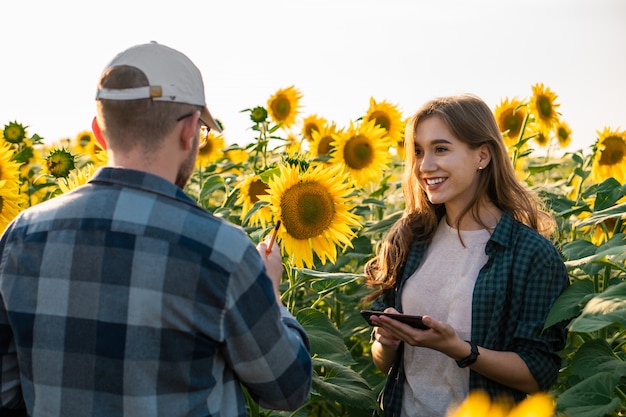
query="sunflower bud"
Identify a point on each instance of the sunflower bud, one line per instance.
(297, 161)
(14, 132)
(59, 163)
(258, 114)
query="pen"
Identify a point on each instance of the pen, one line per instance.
(269, 246)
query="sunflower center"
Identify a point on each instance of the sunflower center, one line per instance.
(358, 152)
(257, 188)
(613, 152)
(206, 147)
(84, 140)
(544, 105)
(541, 139)
(325, 147)
(281, 107)
(512, 122)
(309, 128)
(382, 119)
(307, 210)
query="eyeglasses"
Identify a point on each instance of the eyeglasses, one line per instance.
(204, 129)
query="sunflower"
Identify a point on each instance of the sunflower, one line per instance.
(510, 115)
(363, 150)
(10, 203)
(9, 169)
(541, 135)
(211, 150)
(543, 106)
(237, 158)
(387, 116)
(314, 207)
(292, 144)
(76, 178)
(101, 157)
(250, 189)
(563, 134)
(60, 162)
(283, 106)
(14, 132)
(322, 142)
(258, 114)
(479, 404)
(312, 123)
(85, 144)
(609, 156)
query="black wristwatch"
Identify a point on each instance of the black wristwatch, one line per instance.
(465, 362)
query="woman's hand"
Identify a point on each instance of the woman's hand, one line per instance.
(440, 336)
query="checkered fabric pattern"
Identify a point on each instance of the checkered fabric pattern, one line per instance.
(512, 296)
(125, 298)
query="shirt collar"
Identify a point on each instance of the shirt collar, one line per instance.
(140, 180)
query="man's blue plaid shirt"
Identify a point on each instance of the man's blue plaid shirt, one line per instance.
(512, 296)
(125, 298)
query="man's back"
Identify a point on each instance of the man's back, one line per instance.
(125, 298)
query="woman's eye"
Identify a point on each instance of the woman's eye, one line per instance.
(440, 149)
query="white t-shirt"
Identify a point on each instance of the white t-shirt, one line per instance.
(441, 287)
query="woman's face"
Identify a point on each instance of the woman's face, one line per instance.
(446, 168)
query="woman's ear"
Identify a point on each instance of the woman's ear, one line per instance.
(98, 133)
(484, 155)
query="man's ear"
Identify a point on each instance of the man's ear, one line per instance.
(98, 133)
(189, 130)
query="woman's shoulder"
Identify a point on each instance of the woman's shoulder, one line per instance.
(528, 240)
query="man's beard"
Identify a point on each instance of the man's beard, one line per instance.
(186, 168)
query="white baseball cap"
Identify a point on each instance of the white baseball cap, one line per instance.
(171, 77)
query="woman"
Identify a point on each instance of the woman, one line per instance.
(471, 256)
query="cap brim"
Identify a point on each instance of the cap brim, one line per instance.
(207, 119)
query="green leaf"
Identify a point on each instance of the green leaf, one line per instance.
(383, 225)
(211, 184)
(375, 202)
(24, 155)
(255, 207)
(579, 249)
(607, 194)
(595, 356)
(593, 397)
(268, 174)
(325, 339)
(613, 212)
(535, 169)
(570, 303)
(340, 383)
(605, 309)
(604, 252)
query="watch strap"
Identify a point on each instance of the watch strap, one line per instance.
(465, 362)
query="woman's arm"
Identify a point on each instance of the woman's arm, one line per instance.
(507, 368)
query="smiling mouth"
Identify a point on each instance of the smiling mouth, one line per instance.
(435, 181)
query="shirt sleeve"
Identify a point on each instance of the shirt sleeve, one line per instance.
(10, 388)
(547, 278)
(266, 346)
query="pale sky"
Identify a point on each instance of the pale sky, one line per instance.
(338, 53)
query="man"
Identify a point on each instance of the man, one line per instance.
(124, 297)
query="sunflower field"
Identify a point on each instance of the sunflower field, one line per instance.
(336, 191)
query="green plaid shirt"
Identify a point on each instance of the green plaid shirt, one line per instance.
(512, 296)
